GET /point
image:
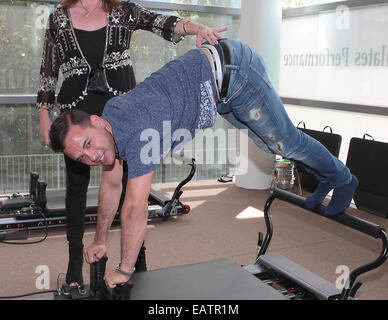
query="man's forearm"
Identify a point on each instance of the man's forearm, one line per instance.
(134, 227)
(108, 202)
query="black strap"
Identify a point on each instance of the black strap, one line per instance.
(226, 77)
(331, 131)
(367, 135)
(301, 122)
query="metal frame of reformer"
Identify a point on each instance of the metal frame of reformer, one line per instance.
(266, 263)
(363, 226)
(30, 212)
(310, 284)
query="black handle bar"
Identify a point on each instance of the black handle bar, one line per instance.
(348, 220)
(356, 223)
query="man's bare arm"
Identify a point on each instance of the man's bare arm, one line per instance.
(134, 216)
(108, 202)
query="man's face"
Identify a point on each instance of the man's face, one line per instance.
(92, 145)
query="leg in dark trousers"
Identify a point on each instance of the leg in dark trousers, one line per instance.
(77, 182)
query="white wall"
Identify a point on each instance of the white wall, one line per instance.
(352, 46)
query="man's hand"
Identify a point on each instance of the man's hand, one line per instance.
(113, 278)
(94, 252)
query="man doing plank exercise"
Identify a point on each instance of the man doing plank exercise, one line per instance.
(228, 78)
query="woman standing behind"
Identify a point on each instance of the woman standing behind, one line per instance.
(89, 42)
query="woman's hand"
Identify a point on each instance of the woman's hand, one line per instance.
(203, 33)
(209, 34)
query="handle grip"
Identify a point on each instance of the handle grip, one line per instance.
(41, 199)
(97, 283)
(33, 185)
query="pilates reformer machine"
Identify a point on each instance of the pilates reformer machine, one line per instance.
(270, 277)
(297, 282)
(42, 209)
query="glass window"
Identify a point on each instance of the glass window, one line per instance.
(19, 130)
(222, 3)
(22, 152)
(21, 45)
(150, 52)
(21, 147)
(339, 56)
(305, 3)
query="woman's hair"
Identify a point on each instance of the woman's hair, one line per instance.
(107, 4)
(60, 127)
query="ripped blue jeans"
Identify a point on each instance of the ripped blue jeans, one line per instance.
(252, 103)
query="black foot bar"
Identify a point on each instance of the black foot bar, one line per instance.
(366, 227)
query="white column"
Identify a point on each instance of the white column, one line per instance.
(260, 29)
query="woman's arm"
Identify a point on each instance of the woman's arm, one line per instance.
(173, 28)
(47, 82)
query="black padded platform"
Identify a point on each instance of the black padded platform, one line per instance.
(214, 280)
(319, 287)
(56, 201)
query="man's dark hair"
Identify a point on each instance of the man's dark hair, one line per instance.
(60, 127)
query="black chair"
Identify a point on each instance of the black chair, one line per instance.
(367, 161)
(330, 140)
